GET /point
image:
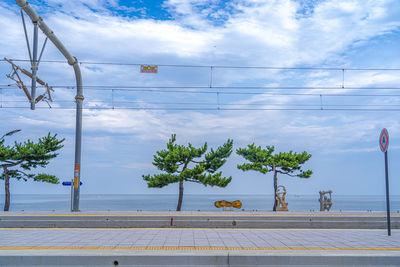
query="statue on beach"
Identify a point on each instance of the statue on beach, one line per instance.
(325, 202)
(280, 197)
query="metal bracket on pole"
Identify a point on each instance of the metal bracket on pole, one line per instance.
(41, 52)
(26, 36)
(79, 93)
(21, 85)
(33, 59)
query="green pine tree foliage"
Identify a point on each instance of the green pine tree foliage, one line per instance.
(19, 160)
(264, 160)
(187, 164)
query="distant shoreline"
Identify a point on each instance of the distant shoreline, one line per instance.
(194, 202)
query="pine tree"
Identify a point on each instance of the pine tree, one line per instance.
(186, 164)
(21, 158)
(264, 161)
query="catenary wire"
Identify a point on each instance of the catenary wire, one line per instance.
(214, 104)
(123, 87)
(2, 87)
(216, 66)
(191, 88)
(209, 109)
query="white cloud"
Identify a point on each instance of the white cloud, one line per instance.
(247, 33)
(255, 33)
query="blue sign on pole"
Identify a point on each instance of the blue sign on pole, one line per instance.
(69, 183)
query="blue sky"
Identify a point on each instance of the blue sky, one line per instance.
(118, 144)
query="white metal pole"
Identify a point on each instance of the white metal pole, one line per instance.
(34, 64)
(79, 94)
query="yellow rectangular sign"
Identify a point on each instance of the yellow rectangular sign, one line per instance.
(76, 176)
(148, 68)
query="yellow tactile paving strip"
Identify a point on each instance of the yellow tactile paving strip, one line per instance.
(199, 215)
(175, 229)
(193, 248)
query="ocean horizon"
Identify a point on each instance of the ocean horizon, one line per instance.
(193, 202)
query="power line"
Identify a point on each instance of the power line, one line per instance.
(211, 109)
(154, 88)
(227, 93)
(234, 87)
(225, 90)
(215, 104)
(217, 66)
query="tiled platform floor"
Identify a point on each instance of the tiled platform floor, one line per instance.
(197, 239)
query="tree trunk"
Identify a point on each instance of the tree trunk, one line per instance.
(7, 189)
(275, 187)
(178, 208)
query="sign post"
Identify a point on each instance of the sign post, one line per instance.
(384, 144)
(71, 184)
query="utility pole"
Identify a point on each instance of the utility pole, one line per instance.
(39, 23)
(34, 63)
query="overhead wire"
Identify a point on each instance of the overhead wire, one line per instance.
(158, 89)
(217, 66)
(210, 109)
(216, 104)
(222, 92)
(228, 90)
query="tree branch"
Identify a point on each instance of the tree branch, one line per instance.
(27, 175)
(194, 181)
(183, 168)
(287, 173)
(12, 164)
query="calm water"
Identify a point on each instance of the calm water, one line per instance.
(164, 202)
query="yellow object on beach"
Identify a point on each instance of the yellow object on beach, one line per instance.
(223, 203)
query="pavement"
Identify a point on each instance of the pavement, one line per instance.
(232, 219)
(198, 247)
(198, 239)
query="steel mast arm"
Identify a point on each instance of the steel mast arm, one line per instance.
(79, 94)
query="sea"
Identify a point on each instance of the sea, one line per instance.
(192, 202)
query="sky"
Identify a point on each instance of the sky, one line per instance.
(326, 84)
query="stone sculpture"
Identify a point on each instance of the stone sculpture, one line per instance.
(280, 197)
(325, 202)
